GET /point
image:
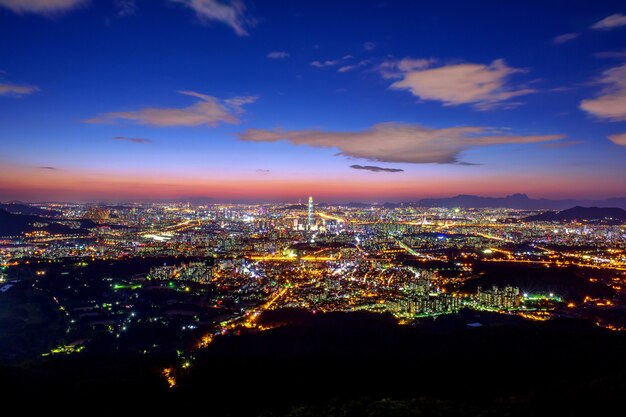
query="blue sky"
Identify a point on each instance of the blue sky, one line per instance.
(258, 100)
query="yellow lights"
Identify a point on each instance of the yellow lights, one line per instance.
(205, 341)
(168, 374)
(536, 315)
(291, 258)
(571, 305)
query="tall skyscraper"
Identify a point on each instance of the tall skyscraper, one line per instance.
(309, 223)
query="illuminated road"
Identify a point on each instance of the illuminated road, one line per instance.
(292, 258)
(417, 254)
(329, 217)
(252, 318)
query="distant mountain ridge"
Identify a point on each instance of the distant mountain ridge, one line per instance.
(22, 208)
(513, 201)
(17, 224)
(582, 213)
(517, 201)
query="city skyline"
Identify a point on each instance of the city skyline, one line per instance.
(253, 101)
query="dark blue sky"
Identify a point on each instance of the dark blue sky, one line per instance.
(276, 100)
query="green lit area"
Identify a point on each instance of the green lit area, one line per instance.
(542, 297)
(126, 286)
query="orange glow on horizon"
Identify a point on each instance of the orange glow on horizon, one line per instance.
(66, 185)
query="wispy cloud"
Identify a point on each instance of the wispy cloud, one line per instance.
(483, 86)
(397, 142)
(236, 103)
(47, 168)
(562, 144)
(369, 46)
(16, 90)
(126, 7)
(618, 139)
(42, 7)
(263, 171)
(611, 102)
(347, 68)
(560, 89)
(278, 55)
(611, 22)
(611, 54)
(322, 64)
(397, 68)
(229, 12)
(343, 62)
(374, 168)
(208, 111)
(133, 140)
(565, 37)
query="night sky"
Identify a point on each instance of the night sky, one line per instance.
(267, 100)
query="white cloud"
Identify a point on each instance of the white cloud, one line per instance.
(40, 6)
(611, 22)
(396, 142)
(15, 90)
(611, 103)
(484, 86)
(229, 12)
(565, 37)
(618, 139)
(278, 55)
(208, 111)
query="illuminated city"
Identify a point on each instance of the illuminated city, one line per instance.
(313, 208)
(223, 265)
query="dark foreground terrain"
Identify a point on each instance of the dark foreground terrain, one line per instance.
(342, 364)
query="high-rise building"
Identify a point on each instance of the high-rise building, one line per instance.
(497, 297)
(309, 223)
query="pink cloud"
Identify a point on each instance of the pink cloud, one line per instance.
(611, 22)
(484, 86)
(618, 139)
(611, 103)
(40, 6)
(231, 13)
(16, 90)
(396, 142)
(566, 37)
(208, 111)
